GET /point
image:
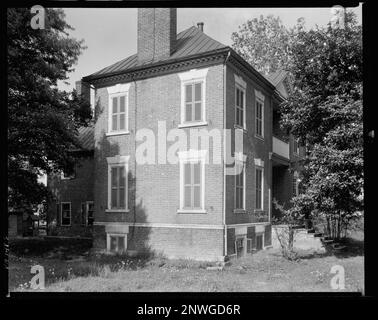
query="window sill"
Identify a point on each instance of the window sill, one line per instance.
(193, 124)
(240, 211)
(117, 133)
(259, 137)
(191, 211)
(236, 126)
(117, 210)
(259, 211)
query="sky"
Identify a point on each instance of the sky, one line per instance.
(110, 34)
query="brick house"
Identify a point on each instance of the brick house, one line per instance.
(194, 208)
(72, 212)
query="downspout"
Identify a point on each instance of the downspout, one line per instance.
(224, 151)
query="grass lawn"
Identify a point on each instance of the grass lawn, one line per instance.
(263, 271)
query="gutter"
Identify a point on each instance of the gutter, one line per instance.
(224, 149)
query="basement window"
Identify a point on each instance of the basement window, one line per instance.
(116, 243)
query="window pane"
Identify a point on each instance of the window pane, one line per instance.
(115, 105)
(241, 98)
(241, 118)
(114, 172)
(122, 121)
(187, 171)
(113, 243)
(65, 206)
(197, 197)
(187, 196)
(188, 114)
(197, 173)
(237, 199)
(188, 93)
(241, 198)
(114, 123)
(121, 244)
(114, 198)
(122, 104)
(237, 97)
(198, 92)
(197, 115)
(122, 198)
(122, 177)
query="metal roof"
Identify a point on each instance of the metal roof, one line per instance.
(276, 77)
(86, 137)
(191, 41)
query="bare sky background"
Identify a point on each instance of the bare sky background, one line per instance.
(111, 34)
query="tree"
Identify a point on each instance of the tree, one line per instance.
(265, 43)
(325, 112)
(42, 120)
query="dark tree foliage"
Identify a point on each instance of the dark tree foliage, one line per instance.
(325, 112)
(42, 120)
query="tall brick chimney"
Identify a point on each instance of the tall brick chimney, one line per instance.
(157, 29)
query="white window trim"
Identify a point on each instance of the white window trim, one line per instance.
(296, 177)
(241, 85)
(295, 150)
(241, 160)
(116, 162)
(87, 203)
(192, 156)
(259, 97)
(61, 214)
(259, 164)
(190, 77)
(108, 235)
(116, 91)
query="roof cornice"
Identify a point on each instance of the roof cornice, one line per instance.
(159, 68)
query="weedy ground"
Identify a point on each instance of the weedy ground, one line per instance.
(72, 268)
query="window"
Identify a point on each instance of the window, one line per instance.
(90, 213)
(295, 146)
(192, 181)
(193, 102)
(118, 187)
(118, 109)
(116, 243)
(193, 88)
(68, 173)
(259, 114)
(117, 183)
(118, 113)
(259, 188)
(240, 107)
(240, 186)
(66, 213)
(87, 210)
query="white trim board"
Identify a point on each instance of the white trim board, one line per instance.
(162, 225)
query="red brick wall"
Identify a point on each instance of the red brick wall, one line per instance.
(76, 191)
(157, 28)
(157, 186)
(253, 147)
